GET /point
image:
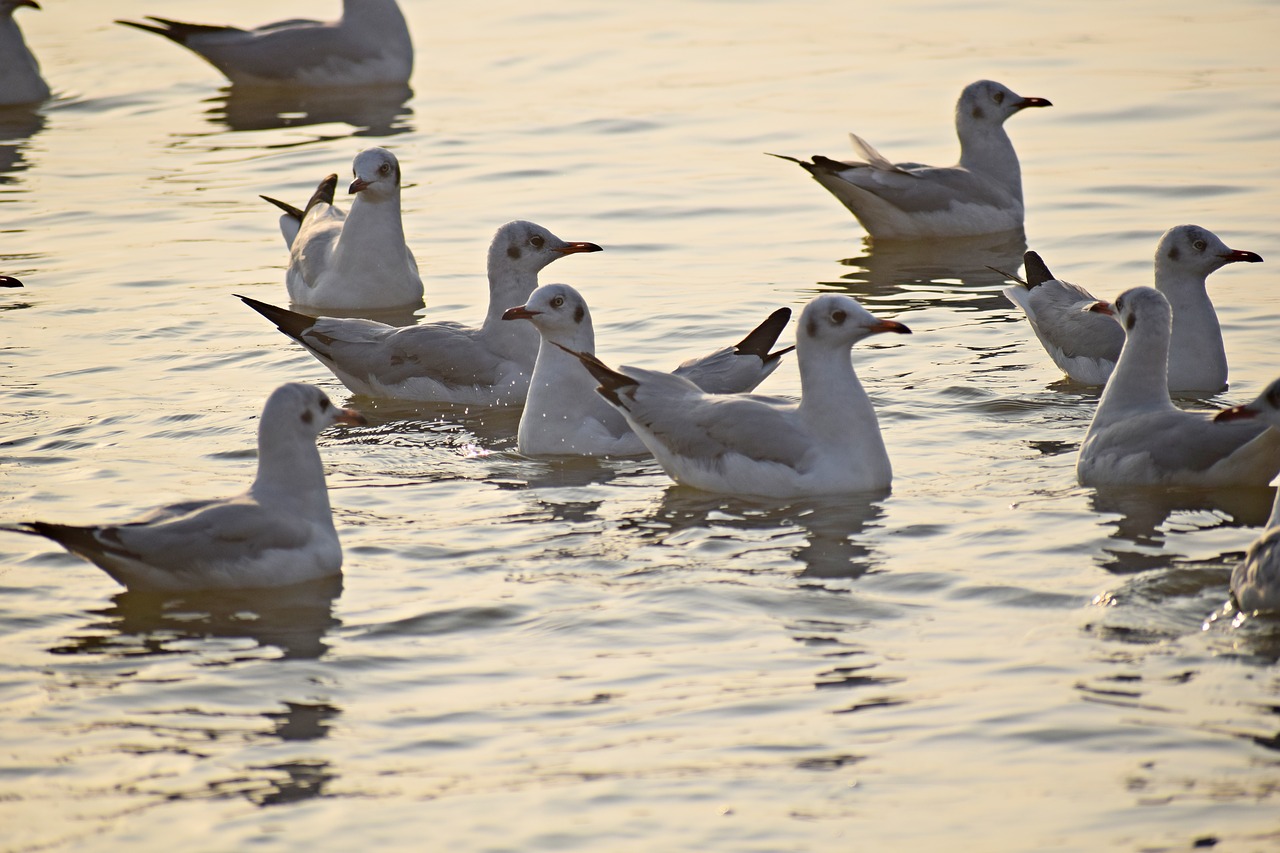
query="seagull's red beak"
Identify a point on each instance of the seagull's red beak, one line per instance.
(357, 185)
(1101, 307)
(350, 417)
(890, 326)
(1237, 255)
(574, 248)
(519, 313)
(1034, 102)
(1235, 413)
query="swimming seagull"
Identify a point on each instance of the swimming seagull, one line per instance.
(982, 194)
(1086, 345)
(20, 80)
(368, 46)
(355, 261)
(1255, 581)
(1139, 438)
(828, 443)
(441, 362)
(279, 532)
(564, 416)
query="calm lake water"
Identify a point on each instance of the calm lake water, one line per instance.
(577, 655)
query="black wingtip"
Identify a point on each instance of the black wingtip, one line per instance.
(289, 209)
(291, 323)
(10, 281)
(785, 157)
(764, 336)
(150, 28)
(1037, 270)
(611, 381)
(324, 192)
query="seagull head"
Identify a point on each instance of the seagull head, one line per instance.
(375, 169)
(302, 410)
(1190, 249)
(987, 102)
(1144, 305)
(835, 320)
(522, 248)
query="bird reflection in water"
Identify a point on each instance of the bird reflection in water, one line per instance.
(292, 619)
(374, 111)
(924, 273)
(830, 527)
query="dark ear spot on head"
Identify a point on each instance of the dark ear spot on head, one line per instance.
(977, 112)
(1131, 322)
(307, 417)
(1174, 253)
(579, 313)
(811, 328)
(513, 252)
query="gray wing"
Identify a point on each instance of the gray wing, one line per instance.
(447, 352)
(1189, 441)
(705, 427)
(913, 188)
(215, 533)
(1057, 309)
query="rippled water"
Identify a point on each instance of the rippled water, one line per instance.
(576, 655)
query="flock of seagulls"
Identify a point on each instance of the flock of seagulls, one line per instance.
(535, 347)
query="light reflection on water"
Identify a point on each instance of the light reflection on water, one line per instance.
(577, 654)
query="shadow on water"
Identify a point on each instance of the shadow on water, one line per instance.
(18, 125)
(917, 274)
(374, 111)
(830, 526)
(292, 619)
(1145, 517)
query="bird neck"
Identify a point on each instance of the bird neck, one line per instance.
(1196, 349)
(1141, 376)
(289, 471)
(831, 397)
(377, 220)
(986, 148)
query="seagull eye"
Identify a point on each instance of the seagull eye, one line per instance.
(384, 169)
(1199, 245)
(557, 302)
(838, 317)
(998, 97)
(536, 241)
(324, 403)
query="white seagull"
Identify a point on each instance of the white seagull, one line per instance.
(441, 362)
(1255, 582)
(279, 532)
(1086, 345)
(564, 416)
(828, 443)
(355, 261)
(982, 194)
(1139, 438)
(20, 80)
(368, 46)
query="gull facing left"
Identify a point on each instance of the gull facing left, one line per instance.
(1138, 437)
(564, 416)
(355, 261)
(828, 443)
(1255, 581)
(279, 532)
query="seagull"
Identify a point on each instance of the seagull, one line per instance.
(562, 415)
(1139, 438)
(368, 46)
(355, 261)
(828, 443)
(279, 532)
(20, 80)
(1086, 345)
(1255, 582)
(441, 362)
(982, 194)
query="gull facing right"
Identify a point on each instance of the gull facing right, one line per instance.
(1138, 437)
(1086, 345)
(828, 443)
(982, 194)
(279, 532)
(368, 46)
